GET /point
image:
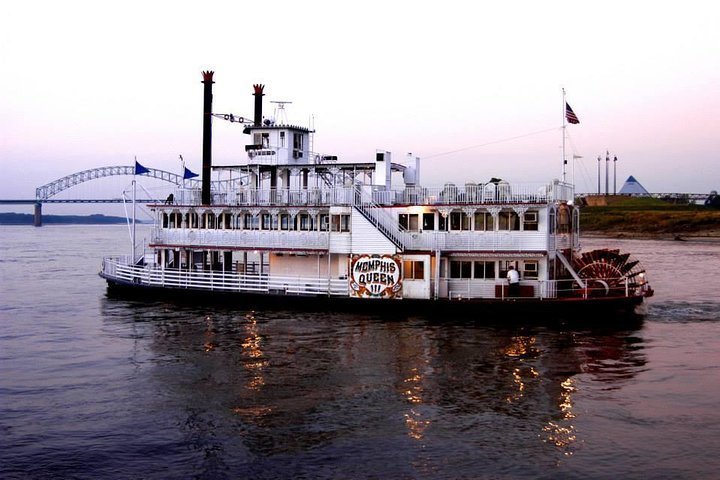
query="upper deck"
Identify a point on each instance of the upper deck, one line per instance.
(474, 217)
(323, 196)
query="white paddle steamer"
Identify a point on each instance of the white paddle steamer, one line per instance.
(293, 225)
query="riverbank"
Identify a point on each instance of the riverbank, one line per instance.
(28, 219)
(651, 218)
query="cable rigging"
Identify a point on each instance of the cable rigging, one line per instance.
(492, 142)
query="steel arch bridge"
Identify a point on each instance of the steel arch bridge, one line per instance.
(53, 188)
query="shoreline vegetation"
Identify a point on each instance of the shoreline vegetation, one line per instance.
(649, 218)
(28, 219)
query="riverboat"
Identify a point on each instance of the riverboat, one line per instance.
(290, 226)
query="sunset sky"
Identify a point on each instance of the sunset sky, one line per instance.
(87, 84)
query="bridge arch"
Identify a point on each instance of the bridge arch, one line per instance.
(51, 189)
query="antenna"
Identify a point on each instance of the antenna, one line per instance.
(280, 116)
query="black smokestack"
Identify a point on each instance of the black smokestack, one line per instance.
(258, 103)
(207, 136)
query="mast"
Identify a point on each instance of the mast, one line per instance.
(134, 184)
(564, 116)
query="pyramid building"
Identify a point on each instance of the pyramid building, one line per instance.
(633, 187)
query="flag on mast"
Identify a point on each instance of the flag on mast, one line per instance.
(570, 115)
(139, 169)
(188, 174)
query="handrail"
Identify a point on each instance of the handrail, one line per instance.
(329, 194)
(119, 268)
(379, 217)
(222, 280)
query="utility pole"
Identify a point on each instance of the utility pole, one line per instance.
(598, 174)
(615, 175)
(607, 166)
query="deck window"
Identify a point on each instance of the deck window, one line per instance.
(530, 221)
(284, 221)
(484, 221)
(262, 139)
(297, 145)
(459, 221)
(530, 269)
(174, 220)
(267, 222)
(227, 221)
(409, 221)
(508, 221)
(324, 222)
(460, 269)
(306, 222)
(211, 220)
(428, 221)
(340, 223)
(251, 222)
(413, 270)
(442, 223)
(191, 220)
(505, 266)
(484, 270)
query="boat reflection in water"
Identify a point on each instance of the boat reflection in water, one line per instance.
(319, 385)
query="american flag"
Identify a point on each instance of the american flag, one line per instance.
(570, 115)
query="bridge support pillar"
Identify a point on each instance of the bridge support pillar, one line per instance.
(38, 215)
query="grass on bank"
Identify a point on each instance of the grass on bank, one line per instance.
(649, 216)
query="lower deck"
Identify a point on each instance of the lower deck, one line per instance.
(503, 309)
(410, 276)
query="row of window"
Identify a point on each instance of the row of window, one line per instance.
(480, 269)
(456, 221)
(477, 269)
(265, 221)
(263, 139)
(459, 221)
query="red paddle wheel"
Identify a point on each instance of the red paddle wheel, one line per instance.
(609, 272)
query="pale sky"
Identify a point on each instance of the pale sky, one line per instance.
(95, 83)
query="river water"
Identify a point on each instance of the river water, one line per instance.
(92, 387)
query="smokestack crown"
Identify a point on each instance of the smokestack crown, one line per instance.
(208, 76)
(258, 103)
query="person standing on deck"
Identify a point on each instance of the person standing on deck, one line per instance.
(514, 280)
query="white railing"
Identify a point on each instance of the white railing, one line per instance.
(295, 197)
(456, 289)
(450, 194)
(115, 268)
(472, 194)
(289, 239)
(380, 218)
(475, 240)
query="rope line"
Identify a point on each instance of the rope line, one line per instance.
(492, 143)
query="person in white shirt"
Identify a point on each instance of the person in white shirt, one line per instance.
(514, 280)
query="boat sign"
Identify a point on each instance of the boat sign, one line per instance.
(375, 276)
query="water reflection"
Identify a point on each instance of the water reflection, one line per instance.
(288, 382)
(254, 360)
